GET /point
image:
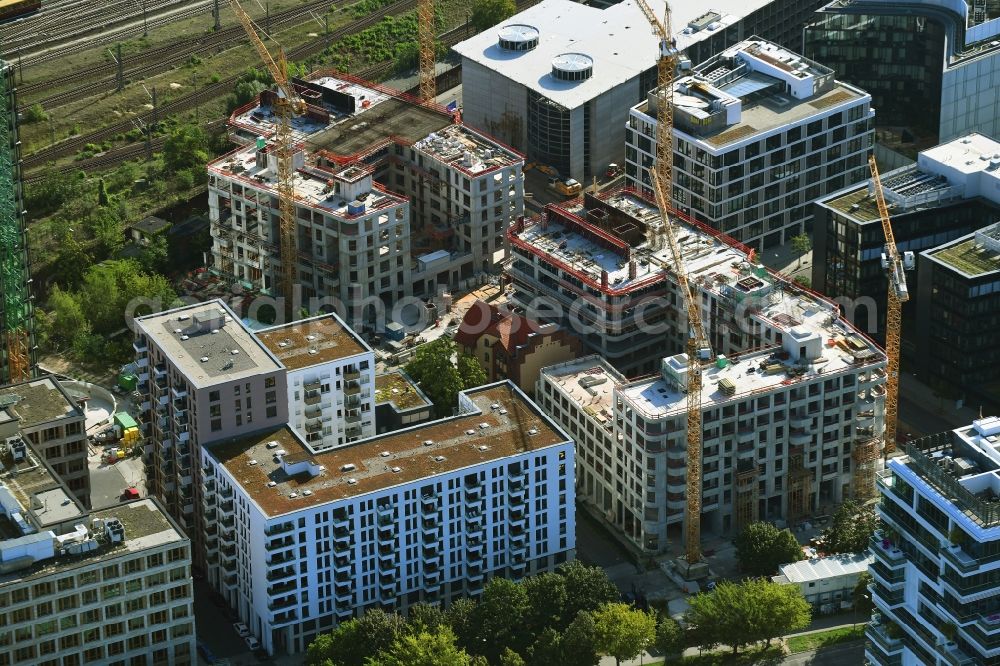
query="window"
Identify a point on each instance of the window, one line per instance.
(213, 396)
(268, 382)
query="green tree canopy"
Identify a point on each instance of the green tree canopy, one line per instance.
(669, 636)
(67, 319)
(801, 245)
(426, 617)
(423, 649)
(546, 601)
(851, 527)
(434, 368)
(587, 589)
(185, 148)
(511, 658)
(740, 614)
(488, 13)
(358, 639)
(761, 548)
(862, 596)
(580, 641)
(623, 632)
(499, 618)
(471, 371)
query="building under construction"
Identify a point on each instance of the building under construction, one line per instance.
(17, 340)
(795, 392)
(393, 198)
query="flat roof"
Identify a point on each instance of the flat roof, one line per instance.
(399, 389)
(208, 343)
(30, 479)
(820, 568)
(146, 526)
(39, 401)
(508, 432)
(461, 147)
(590, 381)
(970, 255)
(312, 341)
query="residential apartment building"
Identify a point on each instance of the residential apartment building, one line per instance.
(938, 56)
(110, 587)
(793, 406)
(298, 541)
(935, 592)
(54, 425)
(552, 79)
(760, 132)
(203, 376)
(949, 193)
(394, 198)
(331, 375)
(510, 346)
(957, 330)
(399, 402)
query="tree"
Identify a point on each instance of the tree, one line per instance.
(70, 263)
(185, 148)
(423, 616)
(546, 601)
(471, 371)
(587, 588)
(499, 618)
(34, 114)
(488, 13)
(851, 527)
(460, 617)
(762, 547)
(862, 596)
(740, 614)
(356, 640)
(669, 636)
(623, 632)
(423, 649)
(246, 91)
(547, 649)
(511, 658)
(156, 255)
(433, 369)
(67, 317)
(579, 646)
(801, 245)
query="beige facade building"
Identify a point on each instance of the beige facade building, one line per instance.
(54, 425)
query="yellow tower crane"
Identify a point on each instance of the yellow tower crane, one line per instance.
(425, 37)
(661, 178)
(895, 266)
(286, 103)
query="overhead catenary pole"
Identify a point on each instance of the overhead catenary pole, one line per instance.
(120, 76)
(215, 14)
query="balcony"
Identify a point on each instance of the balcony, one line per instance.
(281, 604)
(178, 393)
(890, 598)
(312, 398)
(878, 634)
(314, 426)
(275, 544)
(352, 375)
(353, 417)
(473, 493)
(280, 588)
(890, 578)
(955, 656)
(281, 573)
(352, 388)
(311, 385)
(886, 552)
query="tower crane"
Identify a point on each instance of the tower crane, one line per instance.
(895, 266)
(661, 178)
(425, 39)
(286, 103)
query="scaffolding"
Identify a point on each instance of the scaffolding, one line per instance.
(747, 495)
(866, 454)
(16, 320)
(799, 485)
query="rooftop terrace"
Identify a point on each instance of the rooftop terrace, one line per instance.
(39, 401)
(312, 341)
(208, 343)
(974, 256)
(504, 424)
(399, 389)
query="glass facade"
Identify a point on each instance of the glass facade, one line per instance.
(898, 59)
(548, 132)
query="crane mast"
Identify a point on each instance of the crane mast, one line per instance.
(895, 266)
(286, 103)
(661, 179)
(425, 39)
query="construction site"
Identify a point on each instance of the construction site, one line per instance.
(392, 197)
(793, 404)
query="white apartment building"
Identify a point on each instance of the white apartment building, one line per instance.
(365, 152)
(796, 392)
(935, 585)
(331, 379)
(299, 540)
(760, 133)
(107, 587)
(203, 376)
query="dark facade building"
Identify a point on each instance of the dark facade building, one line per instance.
(929, 64)
(958, 318)
(937, 200)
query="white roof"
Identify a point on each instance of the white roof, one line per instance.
(970, 161)
(826, 567)
(619, 39)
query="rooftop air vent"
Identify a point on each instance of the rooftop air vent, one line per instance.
(235, 352)
(183, 317)
(384, 454)
(178, 331)
(470, 431)
(533, 431)
(204, 359)
(313, 351)
(273, 444)
(484, 426)
(352, 481)
(185, 337)
(502, 411)
(428, 442)
(293, 495)
(438, 458)
(495, 406)
(483, 447)
(215, 331)
(272, 484)
(310, 337)
(397, 470)
(307, 493)
(572, 67)
(349, 467)
(518, 37)
(253, 462)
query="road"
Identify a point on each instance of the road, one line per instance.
(836, 655)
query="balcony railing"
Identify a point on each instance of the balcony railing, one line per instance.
(984, 512)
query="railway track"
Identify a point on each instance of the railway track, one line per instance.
(156, 61)
(208, 92)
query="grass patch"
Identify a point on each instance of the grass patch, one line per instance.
(827, 638)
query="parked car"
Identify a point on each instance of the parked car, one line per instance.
(205, 652)
(241, 629)
(252, 643)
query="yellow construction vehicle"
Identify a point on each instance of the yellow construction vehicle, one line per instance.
(568, 188)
